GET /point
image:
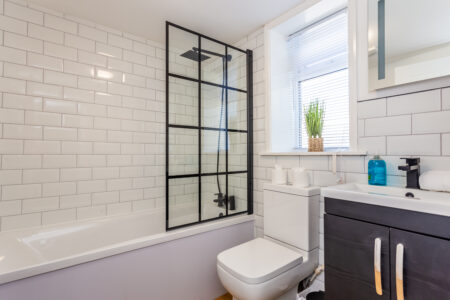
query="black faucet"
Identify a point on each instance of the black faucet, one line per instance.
(221, 198)
(412, 169)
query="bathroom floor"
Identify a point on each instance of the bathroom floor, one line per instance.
(227, 296)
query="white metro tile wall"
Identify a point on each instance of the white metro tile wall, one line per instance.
(82, 111)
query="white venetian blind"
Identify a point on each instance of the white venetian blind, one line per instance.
(319, 56)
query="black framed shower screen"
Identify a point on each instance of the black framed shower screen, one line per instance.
(186, 181)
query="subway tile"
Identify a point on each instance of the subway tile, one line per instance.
(435, 122)
(105, 123)
(414, 145)
(92, 59)
(23, 13)
(42, 118)
(120, 113)
(105, 173)
(134, 57)
(60, 51)
(21, 191)
(58, 189)
(434, 163)
(11, 177)
(59, 161)
(119, 89)
(42, 147)
(92, 33)
(120, 136)
(40, 204)
(22, 131)
(131, 195)
(91, 186)
(118, 41)
(60, 133)
(79, 42)
(60, 24)
(78, 95)
(372, 108)
(13, 25)
(91, 161)
(144, 48)
(9, 85)
(22, 42)
(21, 221)
(446, 144)
(119, 184)
(46, 62)
(446, 99)
(22, 72)
(92, 109)
(60, 79)
(92, 84)
(397, 125)
(414, 103)
(105, 197)
(73, 201)
(75, 174)
(12, 116)
(76, 147)
(78, 69)
(58, 216)
(77, 121)
(119, 208)
(91, 212)
(119, 65)
(13, 55)
(108, 99)
(373, 145)
(91, 135)
(144, 71)
(134, 80)
(46, 34)
(44, 90)
(110, 75)
(60, 106)
(11, 146)
(21, 162)
(108, 51)
(10, 208)
(106, 148)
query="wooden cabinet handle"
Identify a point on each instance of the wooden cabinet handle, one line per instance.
(377, 266)
(399, 271)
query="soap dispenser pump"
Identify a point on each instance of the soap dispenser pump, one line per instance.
(377, 171)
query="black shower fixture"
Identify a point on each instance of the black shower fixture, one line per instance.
(194, 54)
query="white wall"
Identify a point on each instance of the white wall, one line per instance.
(75, 144)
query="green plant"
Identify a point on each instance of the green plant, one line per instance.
(314, 115)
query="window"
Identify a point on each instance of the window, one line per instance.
(319, 70)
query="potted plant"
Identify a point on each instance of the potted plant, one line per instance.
(314, 114)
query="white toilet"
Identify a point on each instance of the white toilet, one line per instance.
(271, 267)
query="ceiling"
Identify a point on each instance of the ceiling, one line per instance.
(225, 20)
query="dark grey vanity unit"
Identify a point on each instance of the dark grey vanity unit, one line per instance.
(379, 252)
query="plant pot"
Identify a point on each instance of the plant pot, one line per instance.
(315, 145)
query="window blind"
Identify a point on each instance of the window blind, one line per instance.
(319, 70)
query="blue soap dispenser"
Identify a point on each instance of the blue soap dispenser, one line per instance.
(377, 171)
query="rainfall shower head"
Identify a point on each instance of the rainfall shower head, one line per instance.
(194, 55)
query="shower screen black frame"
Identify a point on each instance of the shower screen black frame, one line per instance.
(249, 131)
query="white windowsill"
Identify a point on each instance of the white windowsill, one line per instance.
(326, 153)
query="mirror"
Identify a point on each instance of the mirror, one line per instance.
(408, 41)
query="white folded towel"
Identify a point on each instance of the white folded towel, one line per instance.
(438, 181)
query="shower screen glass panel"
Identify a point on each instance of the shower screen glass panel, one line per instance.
(209, 128)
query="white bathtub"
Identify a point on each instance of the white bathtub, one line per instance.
(131, 244)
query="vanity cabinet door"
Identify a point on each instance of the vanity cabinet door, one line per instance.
(424, 271)
(349, 260)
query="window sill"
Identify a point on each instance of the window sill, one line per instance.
(326, 153)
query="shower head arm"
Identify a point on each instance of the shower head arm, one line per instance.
(212, 53)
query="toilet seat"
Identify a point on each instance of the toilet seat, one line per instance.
(258, 260)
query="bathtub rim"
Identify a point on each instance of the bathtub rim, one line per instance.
(119, 248)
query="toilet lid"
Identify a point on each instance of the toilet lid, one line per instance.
(258, 260)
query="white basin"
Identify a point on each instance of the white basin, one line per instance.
(437, 203)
